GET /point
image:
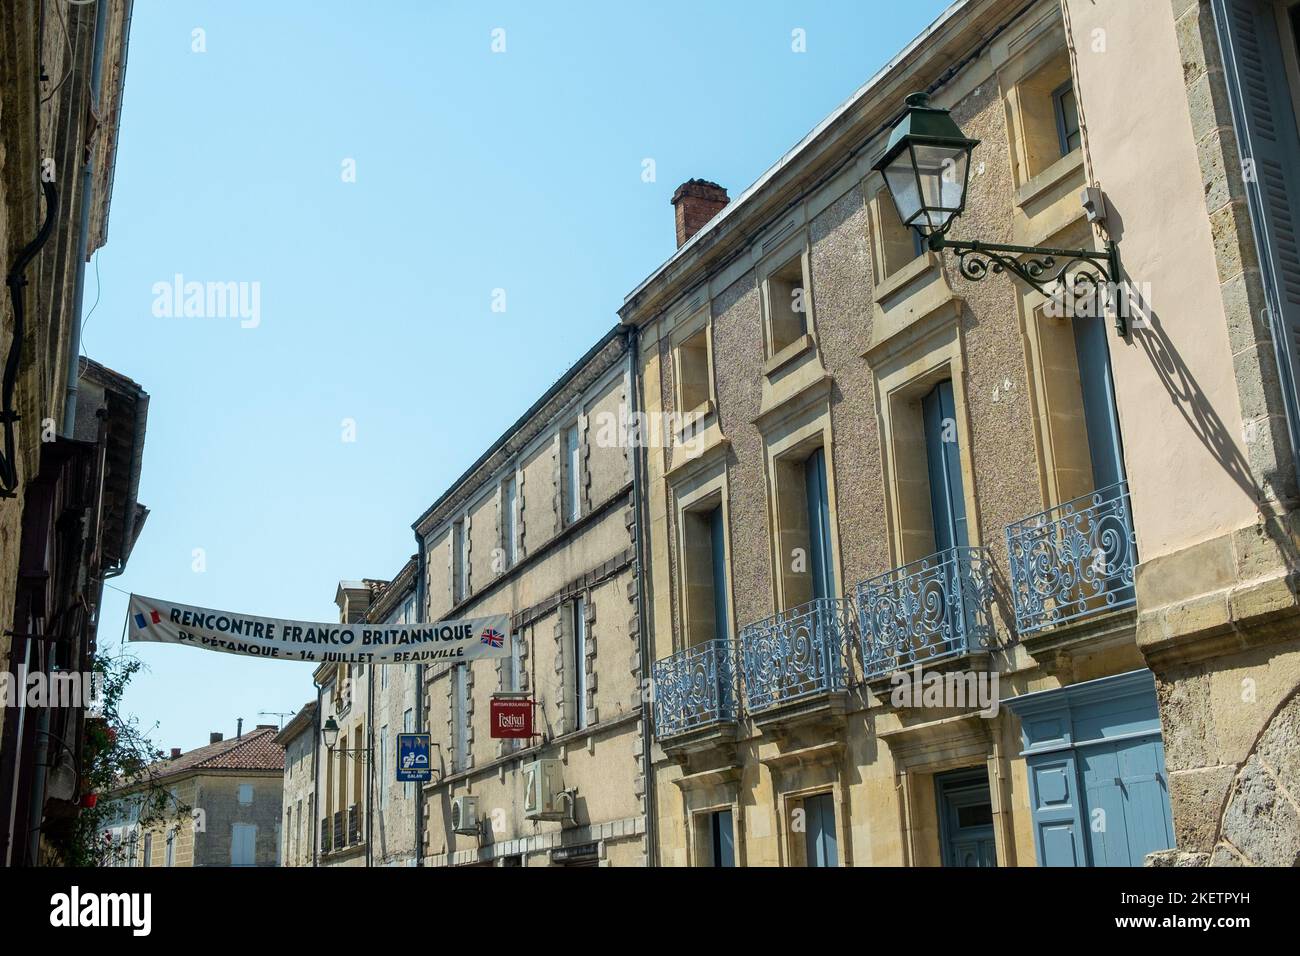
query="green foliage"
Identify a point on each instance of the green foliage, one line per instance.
(118, 758)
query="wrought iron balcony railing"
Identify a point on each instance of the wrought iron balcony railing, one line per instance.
(694, 688)
(925, 611)
(793, 654)
(1073, 560)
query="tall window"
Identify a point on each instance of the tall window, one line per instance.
(459, 566)
(693, 388)
(579, 628)
(572, 475)
(1067, 117)
(704, 575)
(245, 794)
(510, 526)
(148, 849)
(943, 458)
(408, 727)
(1097, 390)
(243, 844)
(787, 305)
(460, 714)
(383, 767)
(820, 843)
(819, 525)
(170, 858)
(722, 839)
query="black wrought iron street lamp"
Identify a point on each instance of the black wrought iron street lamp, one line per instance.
(926, 166)
(330, 731)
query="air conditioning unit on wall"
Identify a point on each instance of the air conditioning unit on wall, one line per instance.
(544, 796)
(464, 814)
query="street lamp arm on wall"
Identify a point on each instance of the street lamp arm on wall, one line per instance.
(926, 167)
(1088, 274)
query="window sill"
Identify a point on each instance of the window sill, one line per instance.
(693, 423)
(897, 281)
(794, 350)
(1032, 190)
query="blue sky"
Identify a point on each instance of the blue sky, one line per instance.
(474, 171)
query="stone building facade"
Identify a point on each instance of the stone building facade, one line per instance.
(68, 515)
(892, 470)
(299, 824)
(542, 528)
(225, 802)
(1209, 394)
(913, 564)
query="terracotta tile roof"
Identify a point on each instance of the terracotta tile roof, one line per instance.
(256, 750)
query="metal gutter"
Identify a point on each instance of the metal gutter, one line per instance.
(83, 229)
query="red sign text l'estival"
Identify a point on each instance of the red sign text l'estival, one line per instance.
(511, 717)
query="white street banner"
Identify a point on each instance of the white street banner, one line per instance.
(455, 639)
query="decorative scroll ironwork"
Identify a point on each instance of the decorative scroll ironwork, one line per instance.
(694, 688)
(925, 611)
(1088, 279)
(793, 654)
(1073, 560)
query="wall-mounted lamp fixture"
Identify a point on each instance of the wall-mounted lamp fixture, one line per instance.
(926, 166)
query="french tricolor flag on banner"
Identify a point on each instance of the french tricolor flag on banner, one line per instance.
(153, 618)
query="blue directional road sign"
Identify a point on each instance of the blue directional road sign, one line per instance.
(413, 758)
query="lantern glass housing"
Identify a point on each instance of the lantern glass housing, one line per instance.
(331, 733)
(926, 166)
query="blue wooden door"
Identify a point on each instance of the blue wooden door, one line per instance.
(1127, 796)
(820, 845)
(943, 458)
(1098, 787)
(966, 819)
(819, 525)
(1057, 809)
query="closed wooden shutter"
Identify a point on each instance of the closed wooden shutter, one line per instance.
(1265, 120)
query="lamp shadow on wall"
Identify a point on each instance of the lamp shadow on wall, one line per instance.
(1185, 393)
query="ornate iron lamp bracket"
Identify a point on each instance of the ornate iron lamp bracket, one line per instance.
(1088, 276)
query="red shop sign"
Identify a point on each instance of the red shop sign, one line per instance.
(512, 717)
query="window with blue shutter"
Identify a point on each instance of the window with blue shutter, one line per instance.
(819, 525)
(943, 458)
(718, 549)
(1264, 116)
(1099, 417)
(820, 844)
(722, 837)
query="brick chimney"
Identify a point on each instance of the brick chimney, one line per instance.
(176, 753)
(696, 201)
(215, 737)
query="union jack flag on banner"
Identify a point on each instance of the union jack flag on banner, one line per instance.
(492, 637)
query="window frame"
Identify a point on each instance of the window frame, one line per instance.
(790, 257)
(1058, 109)
(578, 648)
